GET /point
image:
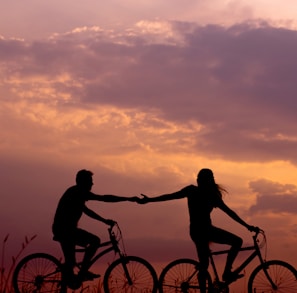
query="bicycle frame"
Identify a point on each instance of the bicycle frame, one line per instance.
(256, 253)
(42, 272)
(113, 246)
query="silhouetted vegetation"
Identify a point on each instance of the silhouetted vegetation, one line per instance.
(6, 272)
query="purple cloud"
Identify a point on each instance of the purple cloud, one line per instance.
(239, 83)
(275, 197)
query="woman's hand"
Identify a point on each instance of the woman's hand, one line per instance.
(145, 199)
(253, 228)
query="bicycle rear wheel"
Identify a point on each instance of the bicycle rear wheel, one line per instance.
(130, 274)
(181, 276)
(38, 273)
(282, 275)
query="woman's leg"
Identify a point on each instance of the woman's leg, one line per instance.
(221, 236)
(202, 247)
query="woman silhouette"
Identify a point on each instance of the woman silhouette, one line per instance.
(201, 201)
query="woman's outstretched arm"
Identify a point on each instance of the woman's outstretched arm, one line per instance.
(164, 197)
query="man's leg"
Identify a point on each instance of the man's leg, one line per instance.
(91, 243)
(68, 249)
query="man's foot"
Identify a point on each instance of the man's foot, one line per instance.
(231, 276)
(89, 276)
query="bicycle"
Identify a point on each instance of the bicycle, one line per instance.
(43, 273)
(270, 276)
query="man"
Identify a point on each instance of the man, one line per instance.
(65, 226)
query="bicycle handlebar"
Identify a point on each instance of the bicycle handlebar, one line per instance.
(256, 239)
(258, 231)
(113, 224)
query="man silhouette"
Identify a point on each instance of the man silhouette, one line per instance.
(65, 226)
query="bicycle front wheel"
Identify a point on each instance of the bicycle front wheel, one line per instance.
(273, 276)
(130, 274)
(37, 273)
(181, 276)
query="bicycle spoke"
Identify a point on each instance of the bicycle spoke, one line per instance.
(283, 276)
(37, 273)
(181, 276)
(131, 275)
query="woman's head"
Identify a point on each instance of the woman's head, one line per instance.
(206, 181)
(205, 178)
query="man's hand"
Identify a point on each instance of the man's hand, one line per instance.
(145, 199)
(139, 200)
(135, 199)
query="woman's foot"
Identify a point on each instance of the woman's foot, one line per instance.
(88, 276)
(230, 277)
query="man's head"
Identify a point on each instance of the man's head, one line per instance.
(84, 179)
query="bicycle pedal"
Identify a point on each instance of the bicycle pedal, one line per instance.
(219, 287)
(219, 284)
(74, 284)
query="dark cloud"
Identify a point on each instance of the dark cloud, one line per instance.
(238, 82)
(274, 197)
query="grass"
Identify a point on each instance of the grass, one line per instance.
(94, 287)
(6, 274)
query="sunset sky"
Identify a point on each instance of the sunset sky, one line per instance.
(145, 94)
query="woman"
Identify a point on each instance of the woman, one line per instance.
(201, 201)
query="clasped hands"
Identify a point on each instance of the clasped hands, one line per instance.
(141, 200)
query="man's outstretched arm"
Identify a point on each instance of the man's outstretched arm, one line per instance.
(111, 198)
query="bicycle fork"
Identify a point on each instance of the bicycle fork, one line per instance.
(273, 285)
(129, 279)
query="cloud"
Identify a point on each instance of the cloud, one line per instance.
(221, 92)
(274, 197)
